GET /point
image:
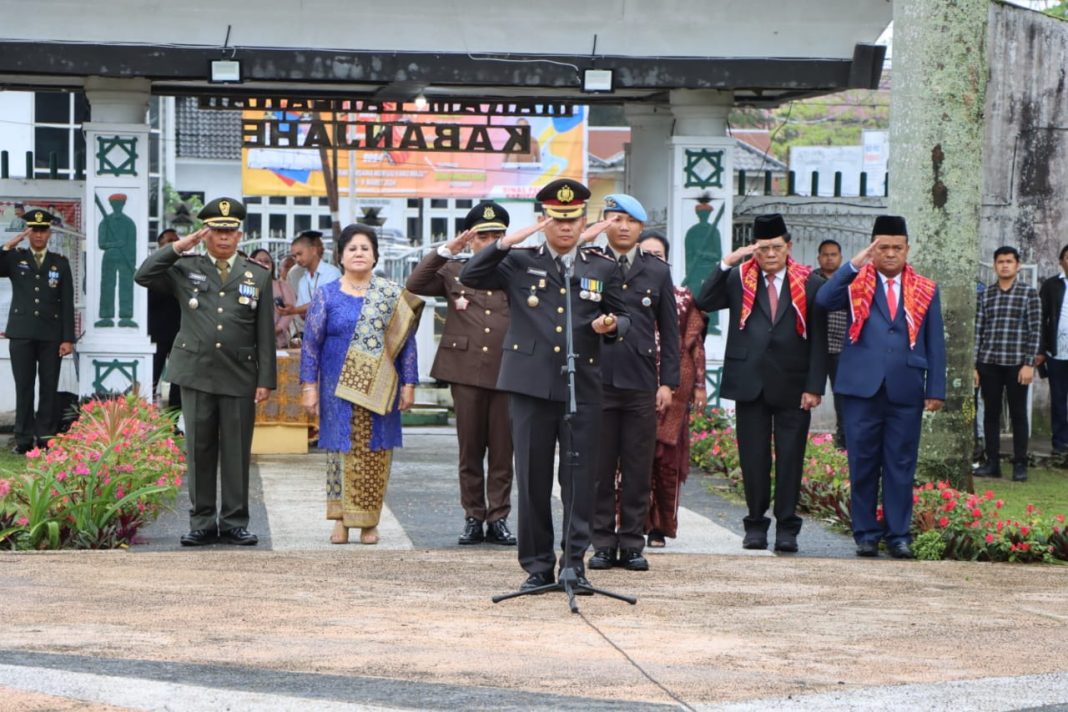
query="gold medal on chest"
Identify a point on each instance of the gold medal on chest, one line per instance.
(193, 302)
(532, 300)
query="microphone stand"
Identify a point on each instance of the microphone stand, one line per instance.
(568, 581)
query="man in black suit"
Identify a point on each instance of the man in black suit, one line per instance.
(634, 390)
(775, 367)
(533, 369)
(1053, 352)
(40, 327)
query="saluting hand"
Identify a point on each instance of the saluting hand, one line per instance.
(17, 238)
(514, 238)
(590, 234)
(864, 256)
(190, 241)
(457, 244)
(740, 255)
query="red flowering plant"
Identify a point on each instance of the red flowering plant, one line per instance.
(825, 490)
(952, 524)
(713, 445)
(97, 484)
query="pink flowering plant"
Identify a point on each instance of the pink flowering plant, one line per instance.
(946, 523)
(97, 484)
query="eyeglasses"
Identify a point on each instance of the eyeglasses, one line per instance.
(771, 248)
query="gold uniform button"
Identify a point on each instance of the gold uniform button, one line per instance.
(563, 291)
(489, 294)
(219, 310)
(36, 313)
(487, 330)
(37, 289)
(515, 347)
(36, 301)
(485, 348)
(488, 312)
(222, 294)
(559, 329)
(556, 349)
(454, 344)
(219, 327)
(591, 360)
(559, 310)
(624, 286)
(218, 345)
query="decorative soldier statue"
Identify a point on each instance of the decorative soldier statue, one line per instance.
(703, 252)
(117, 236)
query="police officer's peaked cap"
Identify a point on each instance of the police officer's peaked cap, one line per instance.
(486, 217)
(35, 217)
(623, 203)
(564, 198)
(223, 214)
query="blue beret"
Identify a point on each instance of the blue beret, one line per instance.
(623, 203)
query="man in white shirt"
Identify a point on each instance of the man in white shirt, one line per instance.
(307, 251)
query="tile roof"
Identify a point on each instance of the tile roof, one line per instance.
(201, 133)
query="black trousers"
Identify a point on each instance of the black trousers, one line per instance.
(759, 423)
(1058, 401)
(537, 428)
(35, 360)
(993, 381)
(218, 436)
(628, 445)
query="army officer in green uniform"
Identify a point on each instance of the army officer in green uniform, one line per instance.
(223, 358)
(40, 327)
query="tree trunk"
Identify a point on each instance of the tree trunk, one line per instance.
(936, 154)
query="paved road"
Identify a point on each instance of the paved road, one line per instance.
(423, 511)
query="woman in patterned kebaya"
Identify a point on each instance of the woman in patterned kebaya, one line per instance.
(359, 371)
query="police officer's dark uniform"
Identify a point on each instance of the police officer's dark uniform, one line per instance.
(631, 379)
(224, 351)
(533, 372)
(40, 321)
(469, 359)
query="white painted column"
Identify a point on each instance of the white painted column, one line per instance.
(702, 197)
(648, 154)
(115, 353)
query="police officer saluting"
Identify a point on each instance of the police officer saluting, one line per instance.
(224, 360)
(533, 368)
(40, 326)
(469, 358)
(634, 389)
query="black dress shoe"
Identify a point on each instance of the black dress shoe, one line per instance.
(900, 550)
(542, 578)
(1019, 472)
(582, 581)
(603, 559)
(238, 536)
(42, 443)
(472, 532)
(632, 560)
(755, 540)
(867, 548)
(498, 533)
(786, 544)
(990, 468)
(199, 537)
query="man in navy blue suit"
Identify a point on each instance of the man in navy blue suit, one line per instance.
(892, 368)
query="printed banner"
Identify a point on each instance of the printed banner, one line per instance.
(557, 150)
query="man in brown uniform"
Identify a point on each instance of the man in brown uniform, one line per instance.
(468, 358)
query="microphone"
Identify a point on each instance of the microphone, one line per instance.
(569, 263)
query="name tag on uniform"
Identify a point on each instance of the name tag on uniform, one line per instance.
(24, 264)
(197, 277)
(537, 272)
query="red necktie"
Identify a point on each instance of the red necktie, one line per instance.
(773, 296)
(891, 300)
